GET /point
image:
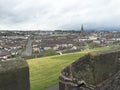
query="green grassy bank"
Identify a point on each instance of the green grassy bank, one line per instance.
(44, 72)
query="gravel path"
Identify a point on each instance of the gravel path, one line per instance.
(56, 87)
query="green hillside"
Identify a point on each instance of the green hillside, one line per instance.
(44, 72)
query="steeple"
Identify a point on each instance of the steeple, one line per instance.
(82, 30)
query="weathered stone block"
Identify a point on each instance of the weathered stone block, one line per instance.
(14, 75)
(91, 72)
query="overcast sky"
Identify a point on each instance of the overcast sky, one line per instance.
(59, 14)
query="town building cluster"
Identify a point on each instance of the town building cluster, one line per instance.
(21, 44)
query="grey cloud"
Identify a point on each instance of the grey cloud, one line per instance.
(54, 14)
(13, 12)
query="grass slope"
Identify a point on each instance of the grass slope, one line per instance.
(44, 72)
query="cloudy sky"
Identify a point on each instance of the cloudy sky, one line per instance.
(59, 14)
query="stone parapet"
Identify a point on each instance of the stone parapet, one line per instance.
(91, 71)
(14, 75)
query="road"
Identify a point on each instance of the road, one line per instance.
(29, 47)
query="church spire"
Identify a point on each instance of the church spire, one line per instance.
(82, 30)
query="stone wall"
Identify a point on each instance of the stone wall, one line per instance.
(90, 71)
(112, 83)
(14, 75)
